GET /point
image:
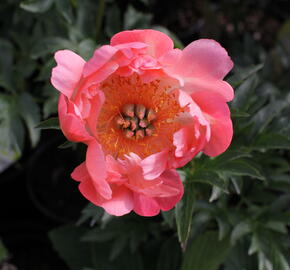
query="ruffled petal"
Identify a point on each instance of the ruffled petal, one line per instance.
(145, 206)
(121, 202)
(170, 178)
(71, 125)
(218, 114)
(96, 166)
(68, 72)
(154, 165)
(158, 43)
(101, 56)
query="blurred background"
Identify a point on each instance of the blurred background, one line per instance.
(235, 214)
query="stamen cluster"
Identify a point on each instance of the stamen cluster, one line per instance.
(136, 121)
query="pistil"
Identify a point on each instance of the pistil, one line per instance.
(136, 121)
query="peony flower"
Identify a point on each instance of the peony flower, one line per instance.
(144, 109)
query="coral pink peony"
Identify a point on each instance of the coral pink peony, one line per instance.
(144, 109)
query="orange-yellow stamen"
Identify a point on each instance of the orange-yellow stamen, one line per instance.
(137, 117)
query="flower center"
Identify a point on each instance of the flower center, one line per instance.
(136, 121)
(137, 117)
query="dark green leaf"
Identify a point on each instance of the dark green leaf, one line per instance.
(239, 231)
(209, 177)
(272, 141)
(51, 123)
(183, 213)
(66, 241)
(242, 74)
(206, 252)
(30, 113)
(238, 167)
(37, 6)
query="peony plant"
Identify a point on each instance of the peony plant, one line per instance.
(143, 109)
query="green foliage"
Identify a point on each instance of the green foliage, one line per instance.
(235, 212)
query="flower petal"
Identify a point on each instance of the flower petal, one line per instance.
(154, 165)
(121, 202)
(170, 178)
(96, 166)
(71, 125)
(158, 42)
(67, 73)
(101, 56)
(218, 114)
(205, 58)
(145, 206)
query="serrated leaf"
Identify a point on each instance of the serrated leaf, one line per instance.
(206, 252)
(183, 213)
(51, 123)
(36, 6)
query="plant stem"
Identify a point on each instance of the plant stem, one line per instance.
(99, 19)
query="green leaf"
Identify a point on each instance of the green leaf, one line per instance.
(50, 45)
(272, 141)
(36, 6)
(240, 230)
(65, 9)
(30, 113)
(242, 74)
(134, 19)
(209, 177)
(67, 144)
(3, 252)
(183, 213)
(206, 252)
(66, 241)
(91, 212)
(51, 123)
(238, 258)
(238, 167)
(244, 93)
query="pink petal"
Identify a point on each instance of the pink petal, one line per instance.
(88, 190)
(208, 84)
(72, 126)
(68, 72)
(145, 206)
(121, 202)
(96, 166)
(80, 173)
(170, 178)
(218, 114)
(96, 104)
(154, 165)
(158, 42)
(101, 56)
(205, 58)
